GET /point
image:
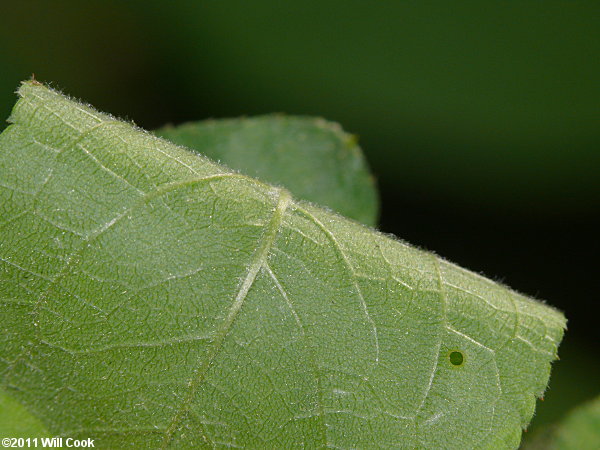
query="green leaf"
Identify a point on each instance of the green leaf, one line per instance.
(580, 430)
(153, 298)
(312, 158)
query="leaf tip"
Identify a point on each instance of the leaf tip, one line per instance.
(32, 80)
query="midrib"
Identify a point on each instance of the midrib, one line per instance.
(258, 259)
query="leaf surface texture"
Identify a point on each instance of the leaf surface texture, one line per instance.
(155, 298)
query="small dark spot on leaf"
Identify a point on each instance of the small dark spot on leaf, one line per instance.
(457, 358)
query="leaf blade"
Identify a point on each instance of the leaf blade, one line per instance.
(236, 316)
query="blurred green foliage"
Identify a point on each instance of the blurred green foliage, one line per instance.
(579, 430)
(16, 421)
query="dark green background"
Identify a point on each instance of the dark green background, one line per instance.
(481, 120)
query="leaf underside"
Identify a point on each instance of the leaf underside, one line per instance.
(313, 158)
(152, 298)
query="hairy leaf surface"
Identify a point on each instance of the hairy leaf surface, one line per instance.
(313, 158)
(153, 298)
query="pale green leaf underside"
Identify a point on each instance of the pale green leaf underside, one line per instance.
(153, 298)
(312, 158)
